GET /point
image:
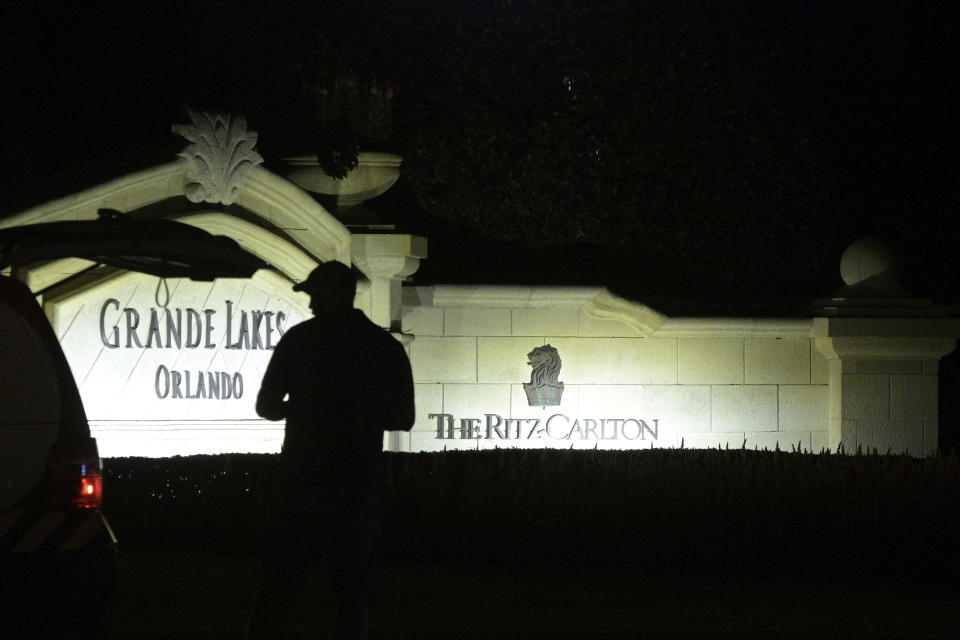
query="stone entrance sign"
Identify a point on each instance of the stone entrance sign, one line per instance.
(181, 377)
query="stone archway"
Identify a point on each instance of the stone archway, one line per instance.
(277, 220)
(172, 367)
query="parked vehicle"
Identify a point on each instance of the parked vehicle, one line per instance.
(57, 550)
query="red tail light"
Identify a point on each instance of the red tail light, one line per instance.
(90, 493)
(75, 477)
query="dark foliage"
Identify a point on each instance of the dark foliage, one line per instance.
(697, 512)
(704, 150)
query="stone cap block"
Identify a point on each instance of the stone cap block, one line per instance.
(886, 327)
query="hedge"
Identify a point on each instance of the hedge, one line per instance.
(661, 510)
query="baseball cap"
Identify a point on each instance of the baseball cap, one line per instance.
(331, 276)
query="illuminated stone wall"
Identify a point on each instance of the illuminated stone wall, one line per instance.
(702, 383)
(138, 399)
(861, 374)
(176, 373)
(630, 377)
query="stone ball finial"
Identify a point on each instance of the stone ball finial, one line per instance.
(871, 259)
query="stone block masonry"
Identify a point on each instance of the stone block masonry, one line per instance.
(703, 383)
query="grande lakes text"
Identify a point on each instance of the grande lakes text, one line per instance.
(189, 328)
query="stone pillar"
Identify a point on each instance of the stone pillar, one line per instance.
(883, 347)
(386, 259)
(883, 381)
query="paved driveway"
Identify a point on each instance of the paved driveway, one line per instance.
(173, 594)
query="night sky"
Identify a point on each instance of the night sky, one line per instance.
(91, 93)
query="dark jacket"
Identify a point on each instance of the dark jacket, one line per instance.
(345, 381)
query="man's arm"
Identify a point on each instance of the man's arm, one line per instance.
(401, 411)
(270, 400)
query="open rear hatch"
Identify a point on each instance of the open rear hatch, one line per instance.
(164, 248)
(43, 427)
(58, 551)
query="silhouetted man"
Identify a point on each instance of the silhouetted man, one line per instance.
(340, 381)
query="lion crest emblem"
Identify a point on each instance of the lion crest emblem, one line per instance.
(544, 390)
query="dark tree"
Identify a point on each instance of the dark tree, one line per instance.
(715, 150)
(667, 135)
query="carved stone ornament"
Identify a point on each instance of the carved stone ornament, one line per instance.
(544, 390)
(221, 153)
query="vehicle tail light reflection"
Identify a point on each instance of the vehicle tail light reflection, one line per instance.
(90, 495)
(76, 475)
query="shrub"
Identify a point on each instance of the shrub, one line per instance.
(695, 511)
